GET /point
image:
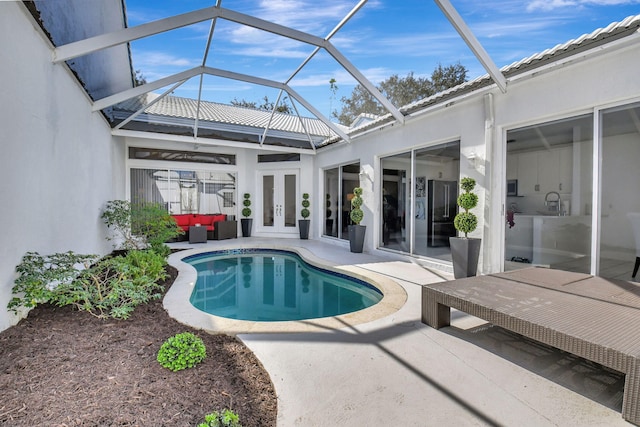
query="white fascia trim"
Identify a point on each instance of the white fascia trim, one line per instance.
(207, 141)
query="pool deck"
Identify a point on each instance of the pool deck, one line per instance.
(391, 369)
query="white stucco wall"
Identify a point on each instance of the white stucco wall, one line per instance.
(564, 90)
(59, 162)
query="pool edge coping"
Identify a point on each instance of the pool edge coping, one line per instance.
(176, 300)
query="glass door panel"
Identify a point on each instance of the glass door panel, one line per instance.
(619, 232)
(549, 202)
(290, 207)
(332, 202)
(278, 201)
(268, 203)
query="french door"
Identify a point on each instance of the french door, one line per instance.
(278, 201)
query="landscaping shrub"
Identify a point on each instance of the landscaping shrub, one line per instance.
(40, 275)
(225, 418)
(140, 225)
(111, 287)
(181, 351)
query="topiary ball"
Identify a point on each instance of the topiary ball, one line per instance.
(465, 222)
(181, 351)
(468, 200)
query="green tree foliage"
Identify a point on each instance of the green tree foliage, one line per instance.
(140, 225)
(266, 105)
(400, 91)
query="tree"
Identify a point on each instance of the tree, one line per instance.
(400, 91)
(266, 105)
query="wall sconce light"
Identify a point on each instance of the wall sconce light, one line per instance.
(473, 160)
(365, 174)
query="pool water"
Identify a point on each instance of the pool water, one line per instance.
(268, 285)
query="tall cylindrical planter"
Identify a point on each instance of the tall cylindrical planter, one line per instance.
(303, 225)
(465, 253)
(246, 224)
(356, 237)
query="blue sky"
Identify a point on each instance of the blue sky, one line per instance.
(385, 37)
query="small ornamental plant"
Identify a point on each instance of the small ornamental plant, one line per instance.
(466, 221)
(181, 351)
(224, 418)
(246, 211)
(356, 213)
(305, 212)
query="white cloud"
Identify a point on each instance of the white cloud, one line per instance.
(547, 5)
(150, 59)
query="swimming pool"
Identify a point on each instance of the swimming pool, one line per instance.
(273, 285)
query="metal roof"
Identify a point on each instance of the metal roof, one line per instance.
(173, 106)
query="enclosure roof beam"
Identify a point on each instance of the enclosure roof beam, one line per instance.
(141, 90)
(470, 39)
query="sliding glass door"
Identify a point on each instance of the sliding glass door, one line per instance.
(419, 192)
(339, 183)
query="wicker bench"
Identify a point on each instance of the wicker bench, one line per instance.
(594, 318)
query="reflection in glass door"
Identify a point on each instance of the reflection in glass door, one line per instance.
(619, 232)
(549, 201)
(278, 201)
(419, 193)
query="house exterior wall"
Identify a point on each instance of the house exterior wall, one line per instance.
(576, 86)
(59, 162)
(247, 170)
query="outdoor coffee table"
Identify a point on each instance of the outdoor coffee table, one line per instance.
(197, 234)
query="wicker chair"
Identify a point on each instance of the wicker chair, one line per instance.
(634, 217)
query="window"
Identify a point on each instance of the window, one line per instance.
(185, 191)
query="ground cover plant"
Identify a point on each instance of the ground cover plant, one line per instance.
(64, 367)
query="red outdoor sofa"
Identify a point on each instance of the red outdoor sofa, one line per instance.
(218, 227)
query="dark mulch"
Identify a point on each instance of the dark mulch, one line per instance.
(61, 367)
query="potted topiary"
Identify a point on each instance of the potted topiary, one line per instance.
(303, 224)
(356, 231)
(246, 213)
(465, 251)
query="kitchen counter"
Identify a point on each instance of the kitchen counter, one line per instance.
(548, 239)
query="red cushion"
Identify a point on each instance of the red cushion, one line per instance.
(219, 217)
(195, 219)
(181, 220)
(206, 219)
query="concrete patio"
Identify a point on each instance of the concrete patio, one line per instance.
(397, 371)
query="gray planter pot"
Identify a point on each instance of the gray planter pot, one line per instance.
(356, 237)
(246, 226)
(303, 226)
(465, 253)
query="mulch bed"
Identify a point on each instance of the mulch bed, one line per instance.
(61, 367)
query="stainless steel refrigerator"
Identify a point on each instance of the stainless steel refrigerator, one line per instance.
(442, 208)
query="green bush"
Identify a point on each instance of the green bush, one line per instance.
(225, 418)
(356, 213)
(466, 222)
(246, 211)
(305, 205)
(181, 351)
(40, 275)
(111, 287)
(140, 225)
